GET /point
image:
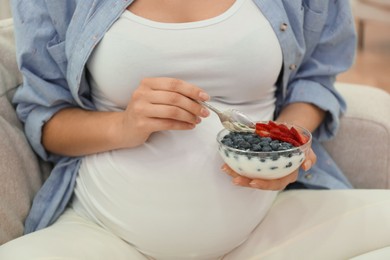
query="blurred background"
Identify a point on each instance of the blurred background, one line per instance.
(372, 64)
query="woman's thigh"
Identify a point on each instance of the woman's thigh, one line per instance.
(70, 237)
(307, 224)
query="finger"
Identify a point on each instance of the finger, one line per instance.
(311, 159)
(312, 156)
(237, 179)
(225, 168)
(274, 184)
(164, 112)
(178, 86)
(159, 124)
(177, 100)
(241, 181)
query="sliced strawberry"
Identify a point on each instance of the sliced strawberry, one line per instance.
(280, 132)
(263, 126)
(285, 139)
(275, 131)
(273, 124)
(262, 133)
(300, 138)
(283, 128)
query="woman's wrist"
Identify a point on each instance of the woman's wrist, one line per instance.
(122, 135)
(77, 132)
(305, 115)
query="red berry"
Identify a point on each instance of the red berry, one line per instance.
(280, 132)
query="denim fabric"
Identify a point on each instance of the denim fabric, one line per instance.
(55, 38)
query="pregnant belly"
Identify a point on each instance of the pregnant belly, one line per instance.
(171, 203)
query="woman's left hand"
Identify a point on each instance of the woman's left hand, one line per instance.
(272, 184)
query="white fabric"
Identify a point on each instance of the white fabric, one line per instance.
(166, 189)
(237, 69)
(379, 254)
(302, 224)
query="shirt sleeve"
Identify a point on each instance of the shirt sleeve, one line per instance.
(332, 54)
(42, 61)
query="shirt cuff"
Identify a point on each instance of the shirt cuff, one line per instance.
(33, 129)
(327, 99)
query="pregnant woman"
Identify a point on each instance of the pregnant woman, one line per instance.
(109, 97)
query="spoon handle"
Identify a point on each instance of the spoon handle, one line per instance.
(210, 107)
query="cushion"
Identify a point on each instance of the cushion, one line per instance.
(361, 148)
(10, 77)
(20, 171)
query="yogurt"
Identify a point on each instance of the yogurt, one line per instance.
(262, 165)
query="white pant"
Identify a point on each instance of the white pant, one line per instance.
(302, 224)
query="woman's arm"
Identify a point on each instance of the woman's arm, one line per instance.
(158, 104)
(306, 115)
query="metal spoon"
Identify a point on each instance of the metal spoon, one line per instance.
(232, 119)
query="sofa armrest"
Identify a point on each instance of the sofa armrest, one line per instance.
(21, 174)
(362, 145)
(10, 76)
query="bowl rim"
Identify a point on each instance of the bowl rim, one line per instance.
(303, 147)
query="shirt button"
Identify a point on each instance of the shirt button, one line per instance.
(283, 27)
(293, 67)
(308, 176)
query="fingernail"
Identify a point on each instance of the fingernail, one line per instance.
(253, 184)
(223, 168)
(307, 165)
(204, 112)
(236, 181)
(204, 96)
(198, 120)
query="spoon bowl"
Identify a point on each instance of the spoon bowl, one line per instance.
(232, 119)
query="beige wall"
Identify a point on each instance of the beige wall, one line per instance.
(5, 10)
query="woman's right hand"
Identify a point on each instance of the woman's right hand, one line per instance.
(160, 104)
(157, 104)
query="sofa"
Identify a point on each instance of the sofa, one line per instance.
(361, 147)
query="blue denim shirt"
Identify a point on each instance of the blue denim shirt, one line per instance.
(55, 38)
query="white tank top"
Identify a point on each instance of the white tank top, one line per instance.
(169, 197)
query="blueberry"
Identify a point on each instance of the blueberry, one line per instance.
(253, 140)
(289, 165)
(264, 143)
(256, 148)
(243, 145)
(275, 146)
(238, 139)
(247, 137)
(266, 149)
(266, 139)
(227, 142)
